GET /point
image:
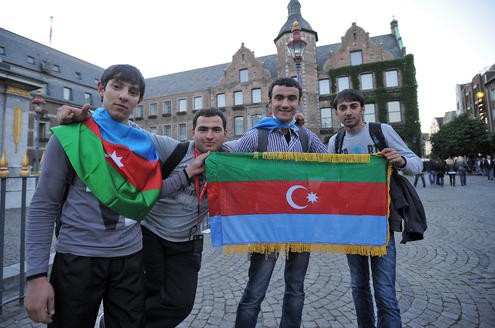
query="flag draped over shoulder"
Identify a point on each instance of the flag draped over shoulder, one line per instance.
(119, 164)
(264, 202)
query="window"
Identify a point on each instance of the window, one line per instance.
(324, 86)
(366, 81)
(391, 79)
(67, 94)
(88, 98)
(326, 117)
(153, 129)
(256, 96)
(167, 107)
(153, 109)
(343, 83)
(2, 50)
(492, 94)
(182, 105)
(78, 75)
(182, 132)
(243, 75)
(356, 58)
(238, 98)
(30, 60)
(369, 113)
(139, 111)
(394, 114)
(255, 118)
(221, 100)
(239, 125)
(198, 102)
(43, 128)
(56, 68)
(167, 130)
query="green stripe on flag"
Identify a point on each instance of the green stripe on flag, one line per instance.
(225, 167)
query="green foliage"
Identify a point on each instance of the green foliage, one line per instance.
(406, 94)
(462, 136)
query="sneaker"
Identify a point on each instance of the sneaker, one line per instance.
(100, 321)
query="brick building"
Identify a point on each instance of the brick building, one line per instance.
(377, 65)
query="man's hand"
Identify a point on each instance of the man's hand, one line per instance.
(68, 114)
(299, 119)
(40, 300)
(393, 157)
(197, 166)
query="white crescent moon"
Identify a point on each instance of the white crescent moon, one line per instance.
(288, 196)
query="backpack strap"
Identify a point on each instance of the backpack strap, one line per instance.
(377, 136)
(304, 138)
(263, 139)
(174, 158)
(339, 140)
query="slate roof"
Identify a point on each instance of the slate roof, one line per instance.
(18, 48)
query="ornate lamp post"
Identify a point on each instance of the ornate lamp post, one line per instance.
(296, 47)
(38, 108)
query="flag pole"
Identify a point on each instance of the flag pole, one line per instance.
(51, 28)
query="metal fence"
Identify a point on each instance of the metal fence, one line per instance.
(19, 296)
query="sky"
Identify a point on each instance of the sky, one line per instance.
(451, 40)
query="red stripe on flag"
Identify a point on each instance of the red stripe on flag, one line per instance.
(135, 169)
(298, 197)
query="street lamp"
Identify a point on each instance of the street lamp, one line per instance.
(38, 108)
(481, 106)
(296, 47)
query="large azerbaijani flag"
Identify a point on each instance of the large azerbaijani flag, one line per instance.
(119, 164)
(263, 202)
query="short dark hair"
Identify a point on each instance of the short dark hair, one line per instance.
(348, 95)
(209, 112)
(287, 82)
(125, 73)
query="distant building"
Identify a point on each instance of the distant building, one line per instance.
(477, 98)
(377, 65)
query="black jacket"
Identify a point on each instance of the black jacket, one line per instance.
(406, 205)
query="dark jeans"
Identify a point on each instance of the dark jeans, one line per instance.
(462, 176)
(419, 176)
(171, 279)
(81, 283)
(260, 272)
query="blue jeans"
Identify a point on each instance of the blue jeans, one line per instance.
(432, 176)
(383, 275)
(260, 272)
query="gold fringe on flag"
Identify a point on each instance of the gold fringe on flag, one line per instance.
(314, 157)
(300, 247)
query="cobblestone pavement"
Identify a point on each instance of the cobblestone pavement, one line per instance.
(445, 280)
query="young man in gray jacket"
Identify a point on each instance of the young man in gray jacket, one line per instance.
(172, 239)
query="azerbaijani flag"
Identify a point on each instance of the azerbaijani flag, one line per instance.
(118, 163)
(264, 202)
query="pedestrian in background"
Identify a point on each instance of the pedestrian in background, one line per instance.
(488, 166)
(462, 169)
(451, 170)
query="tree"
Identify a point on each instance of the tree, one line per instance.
(462, 136)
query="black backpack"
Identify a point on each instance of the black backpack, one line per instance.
(404, 198)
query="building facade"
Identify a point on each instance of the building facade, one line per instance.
(376, 65)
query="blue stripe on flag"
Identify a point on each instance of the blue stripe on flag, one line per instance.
(305, 228)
